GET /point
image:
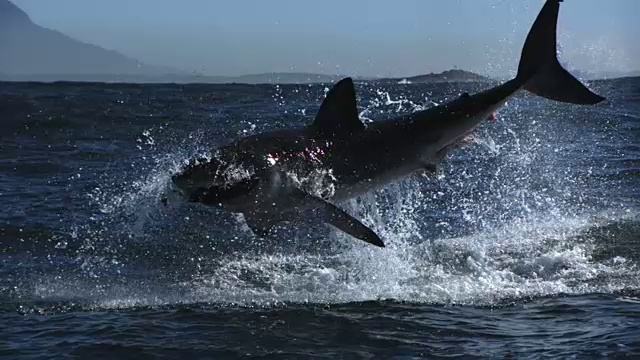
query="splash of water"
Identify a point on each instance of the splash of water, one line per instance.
(505, 231)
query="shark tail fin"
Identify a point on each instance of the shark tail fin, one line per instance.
(539, 68)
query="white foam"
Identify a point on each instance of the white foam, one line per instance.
(482, 269)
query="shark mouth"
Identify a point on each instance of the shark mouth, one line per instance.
(220, 194)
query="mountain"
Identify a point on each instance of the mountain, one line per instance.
(616, 74)
(454, 75)
(264, 78)
(288, 78)
(29, 50)
(601, 75)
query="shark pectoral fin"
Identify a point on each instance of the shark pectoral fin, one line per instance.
(338, 113)
(352, 226)
(339, 218)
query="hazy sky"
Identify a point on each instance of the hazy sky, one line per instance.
(354, 37)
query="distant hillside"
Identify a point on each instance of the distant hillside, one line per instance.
(265, 78)
(600, 75)
(29, 49)
(32, 53)
(446, 76)
(291, 78)
(613, 75)
(268, 78)
(29, 52)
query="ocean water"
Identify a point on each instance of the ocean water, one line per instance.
(524, 245)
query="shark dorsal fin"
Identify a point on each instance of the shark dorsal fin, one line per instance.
(338, 114)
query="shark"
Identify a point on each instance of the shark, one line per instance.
(281, 175)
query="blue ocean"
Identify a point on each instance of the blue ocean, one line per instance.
(524, 245)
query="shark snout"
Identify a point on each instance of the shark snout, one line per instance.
(185, 182)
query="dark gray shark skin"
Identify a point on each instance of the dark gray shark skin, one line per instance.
(278, 176)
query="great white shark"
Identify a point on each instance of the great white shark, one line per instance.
(280, 175)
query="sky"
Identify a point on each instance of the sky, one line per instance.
(353, 37)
